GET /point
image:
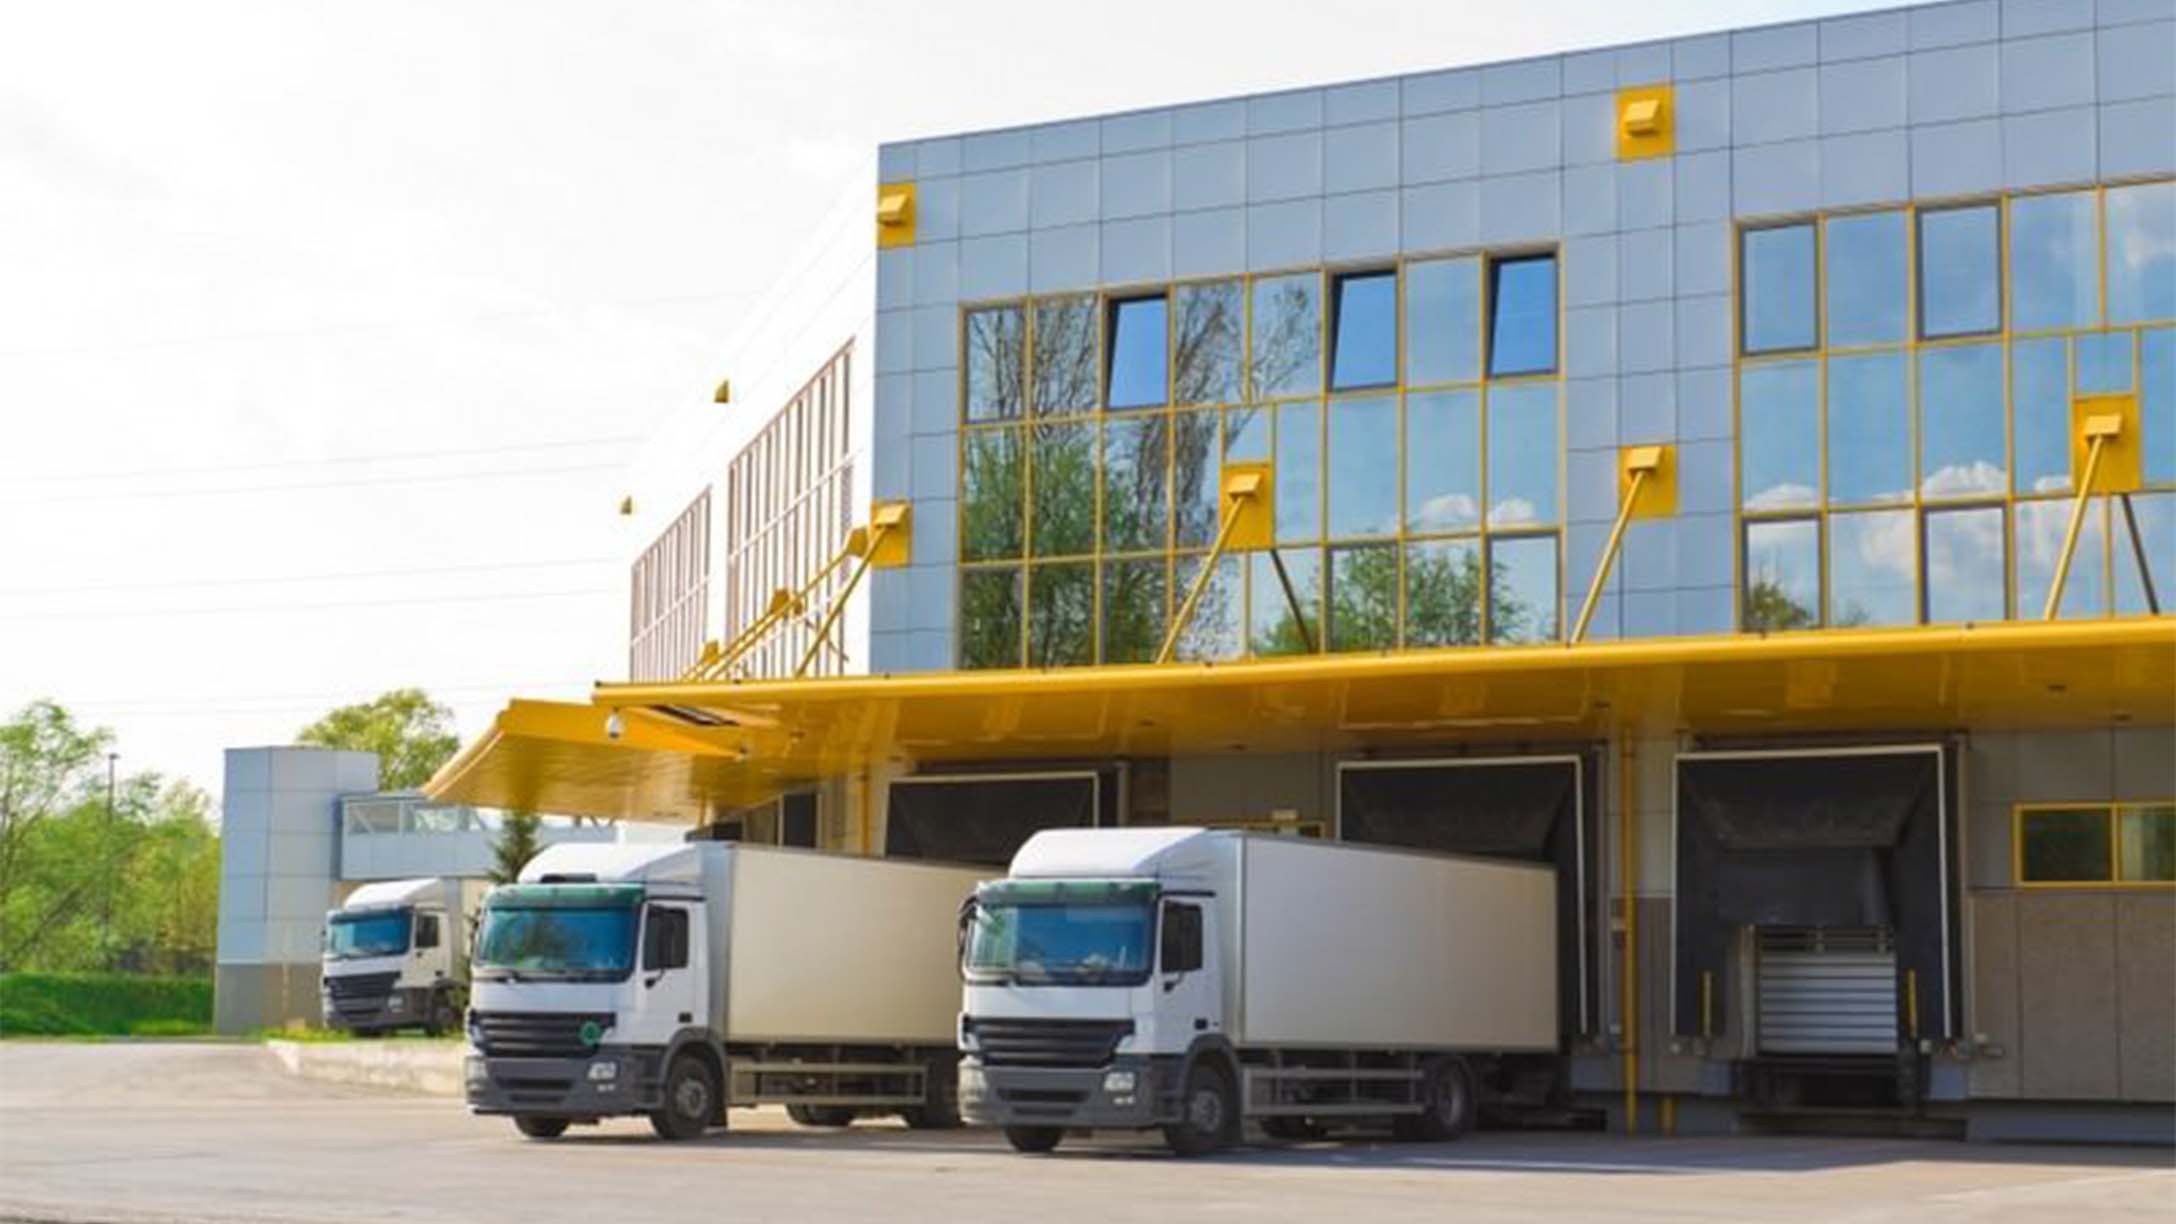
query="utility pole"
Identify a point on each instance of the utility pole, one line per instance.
(106, 910)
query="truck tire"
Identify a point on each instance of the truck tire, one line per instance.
(1447, 1102)
(1211, 1113)
(1034, 1139)
(940, 1108)
(443, 1017)
(537, 1127)
(821, 1115)
(691, 1101)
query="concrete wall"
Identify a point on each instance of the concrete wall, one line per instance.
(278, 857)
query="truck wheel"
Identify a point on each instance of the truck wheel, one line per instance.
(540, 1127)
(821, 1115)
(1447, 1103)
(444, 1017)
(691, 1101)
(1212, 1113)
(940, 1109)
(1034, 1139)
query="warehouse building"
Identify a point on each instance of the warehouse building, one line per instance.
(1739, 470)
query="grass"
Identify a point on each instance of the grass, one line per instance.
(103, 1004)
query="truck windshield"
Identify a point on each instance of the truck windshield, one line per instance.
(354, 936)
(570, 943)
(1061, 944)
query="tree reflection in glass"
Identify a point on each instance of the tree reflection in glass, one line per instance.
(1061, 614)
(996, 364)
(990, 618)
(1135, 513)
(1133, 609)
(1285, 356)
(1205, 342)
(1782, 575)
(1064, 343)
(992, 495)
(1064, 490)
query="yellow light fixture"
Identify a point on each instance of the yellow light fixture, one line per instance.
(627, 506)
(1646, 122)
(895, 215)
(724, 393)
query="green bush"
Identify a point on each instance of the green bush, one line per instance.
(109, 1004)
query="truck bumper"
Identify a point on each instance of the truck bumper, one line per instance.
(1069, 1097)
(565, 1087)
(405, 1007)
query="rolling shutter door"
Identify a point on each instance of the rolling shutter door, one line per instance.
(1827, 990)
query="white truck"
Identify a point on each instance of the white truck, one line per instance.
(674, 981)
(1191, 979)
(396, 956)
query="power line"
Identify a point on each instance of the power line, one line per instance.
(316, 486)
(353, 576)
(342, 605)
(284, 464)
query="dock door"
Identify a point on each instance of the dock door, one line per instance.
(1826, 990)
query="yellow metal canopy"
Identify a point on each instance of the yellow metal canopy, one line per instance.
(683, 749)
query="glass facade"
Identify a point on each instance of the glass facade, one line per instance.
(1411, 411)
(1905, 380)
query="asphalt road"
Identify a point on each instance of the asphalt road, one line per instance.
(133, 1133)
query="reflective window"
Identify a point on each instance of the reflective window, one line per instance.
(1364, 597)
(2146, 843)
(1522, 316)
(1443, 461)
(1363, 467)
(2064, 845)
(996, 364)
(1133, 609)
(1064, 365)
(1869, 289)
(1364, 331)
(1965, 579)
(2054, 261)
(1869, 429)
(2040, 526)
(1777, 267)
(1872, 564)
(1286, 336)
(1522, 589)
(1960, 421)
(1216, 629)
(2157, 404)
(1442, 321)
(990, 618)
(1135, 370)
(2145, 553)
(1299, 472)
(1135, 514)
(2142, 253)
(1522, 454)
(2100, 363)
(1779, 435)
(1063, 484)
(1061, 614)
(2040, 413)
(1284, 607)
(1205, 342)
(1782, 575)
(1443, 593)
(1194, 459)
(1960, 253)
(993, 493)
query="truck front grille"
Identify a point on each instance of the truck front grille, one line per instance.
(360, 992)
(535, 1034)
(1047, 1043)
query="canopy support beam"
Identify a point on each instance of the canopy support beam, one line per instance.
(2099, 431)
(1640, 462)
(885, 518)
(1240, 489)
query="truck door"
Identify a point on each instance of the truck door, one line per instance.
(1188, 999)
(672, 994)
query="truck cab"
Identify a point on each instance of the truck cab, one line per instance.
(393, 958)
(590, 982)
(1093, 984)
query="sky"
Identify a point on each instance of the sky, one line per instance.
(326, 331)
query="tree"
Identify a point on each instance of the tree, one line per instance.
(411, 734)
(517, 844)
(1769, 607)
(81, 889)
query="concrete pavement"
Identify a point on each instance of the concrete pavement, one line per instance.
(137, 1133)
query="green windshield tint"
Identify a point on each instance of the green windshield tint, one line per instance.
(564, 896)
(1066, 892)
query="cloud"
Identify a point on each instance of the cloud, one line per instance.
(1957, 480)
(1782, 497)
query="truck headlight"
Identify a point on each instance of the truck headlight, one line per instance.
(972, 1085)
(396, 1003)
(604, 1069)
(1118, 1082)
(473, 1069)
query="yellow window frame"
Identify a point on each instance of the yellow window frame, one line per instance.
(2112, 812)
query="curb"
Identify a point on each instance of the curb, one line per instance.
(421, 1068)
